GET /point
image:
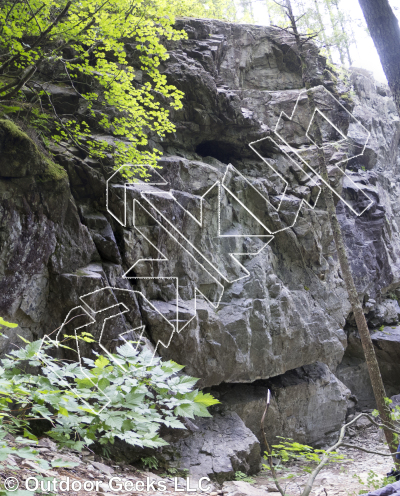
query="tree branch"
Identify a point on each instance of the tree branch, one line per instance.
(41, 37)
(369, 451)
(33, 16)
(271, 465)
(325, 457)
(88, 51)
(24, 79)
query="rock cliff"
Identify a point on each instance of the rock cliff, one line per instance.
(75, 235)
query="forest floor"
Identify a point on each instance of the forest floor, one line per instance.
(343, 479)
(361, 472)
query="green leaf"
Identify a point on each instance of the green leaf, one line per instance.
(26, 452)
(9, 324)
(206, 399)
(101, 362)
(63, 411)
(103, 383)
(30, 435)
(59, 463)
(184, 410)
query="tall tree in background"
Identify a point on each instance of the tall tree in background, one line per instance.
(323, 31)
(384, 30)
(342, 22)
(336, 32)
(316, 16)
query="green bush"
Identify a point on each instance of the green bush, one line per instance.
(127, 395)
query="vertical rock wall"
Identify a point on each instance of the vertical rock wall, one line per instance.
(283, 316)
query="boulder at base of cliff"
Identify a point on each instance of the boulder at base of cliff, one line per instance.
(353, 370)
(221, 446)
(309, 404)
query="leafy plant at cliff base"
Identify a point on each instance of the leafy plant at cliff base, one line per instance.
(122, 396)
(373, 482)
(394, 415)
(288, 451)
(241, 476)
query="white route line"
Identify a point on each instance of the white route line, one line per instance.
(294, 151)
(146, 196)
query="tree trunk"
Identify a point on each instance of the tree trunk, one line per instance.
(346, 42)
(336, 34)
(368, 347)
(292, 19)
(362, 326)
(384, 29)
(319, 17)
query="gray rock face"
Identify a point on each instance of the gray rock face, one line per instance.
(286, 306)
(307, 404)
(353, 371)
(222, 446)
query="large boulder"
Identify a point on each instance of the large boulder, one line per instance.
(221, 446)
(286, 307)
(353, 370)
(308, 404)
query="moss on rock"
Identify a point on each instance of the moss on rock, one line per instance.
(20, 157)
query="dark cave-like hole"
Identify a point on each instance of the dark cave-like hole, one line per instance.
(224, 152)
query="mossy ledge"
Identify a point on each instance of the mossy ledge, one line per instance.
(20, 157)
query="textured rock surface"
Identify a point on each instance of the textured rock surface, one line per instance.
(308, 404)
(241, 488)
(59, 242)
(353, 371)
(222, 446)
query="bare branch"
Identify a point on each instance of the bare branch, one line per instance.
(353, 446)
(80, 58)
(33, 16)
(271, 465)
(280, 5)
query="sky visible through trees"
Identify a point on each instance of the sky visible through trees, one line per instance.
(362, 51)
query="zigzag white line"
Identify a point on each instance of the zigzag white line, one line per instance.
(220, 185)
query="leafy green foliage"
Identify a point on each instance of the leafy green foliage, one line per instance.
(4, 323)
(94, 33)
(394, 413)
(241, 476)
(150, 462)
(373, 482)
(116, 396)
(109, 54)
(288, 450)
(211, 9)
(309, 457)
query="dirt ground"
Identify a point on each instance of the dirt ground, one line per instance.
(334, 479)
(339, 479)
